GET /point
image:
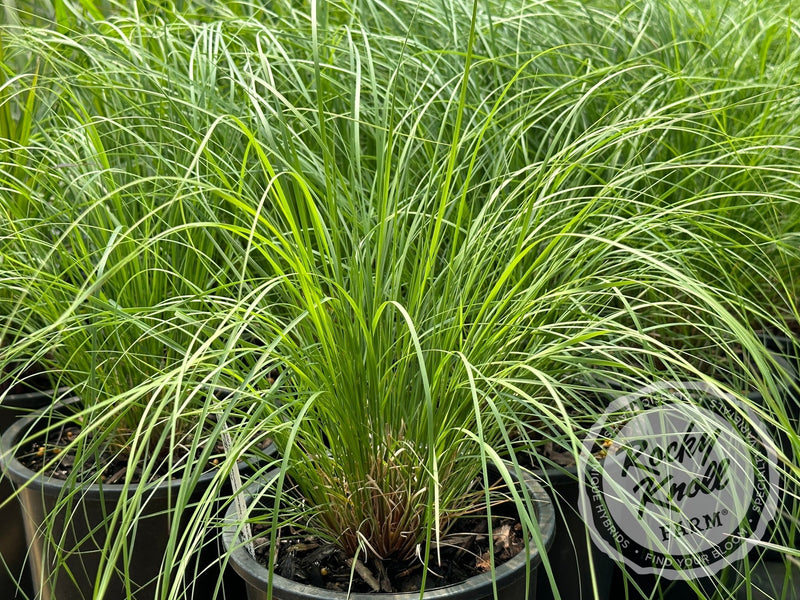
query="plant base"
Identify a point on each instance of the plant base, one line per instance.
(510, 577)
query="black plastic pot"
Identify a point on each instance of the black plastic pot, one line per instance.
(510, 576)
(81, 530)
(14, 572)
(572, 551)
(786, 353)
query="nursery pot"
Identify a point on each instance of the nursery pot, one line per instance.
(509, 576)
(572, 554)
(14, 574)
(786, 352)
(79, 531)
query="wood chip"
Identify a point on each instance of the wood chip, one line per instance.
(287, 567)
(502, 538)
(260, 541)
(302, 547)
(383, 577)
(482, 562)
(117, 476)
(461, 540)
(365, 574)
(565, 459)
(409, 570)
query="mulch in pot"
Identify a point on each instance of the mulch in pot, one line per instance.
(111, 464)
(465, 551)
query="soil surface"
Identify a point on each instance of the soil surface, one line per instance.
(466, 549)
(111, 464)
(465, 552)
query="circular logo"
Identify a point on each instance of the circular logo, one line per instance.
(677, 480)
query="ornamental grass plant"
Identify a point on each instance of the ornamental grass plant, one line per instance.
(407, 241)
(561, 276)
(109, 269)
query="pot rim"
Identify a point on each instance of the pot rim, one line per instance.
(19, 474)
(33, 400)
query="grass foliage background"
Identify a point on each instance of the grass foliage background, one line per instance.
(425, 229)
